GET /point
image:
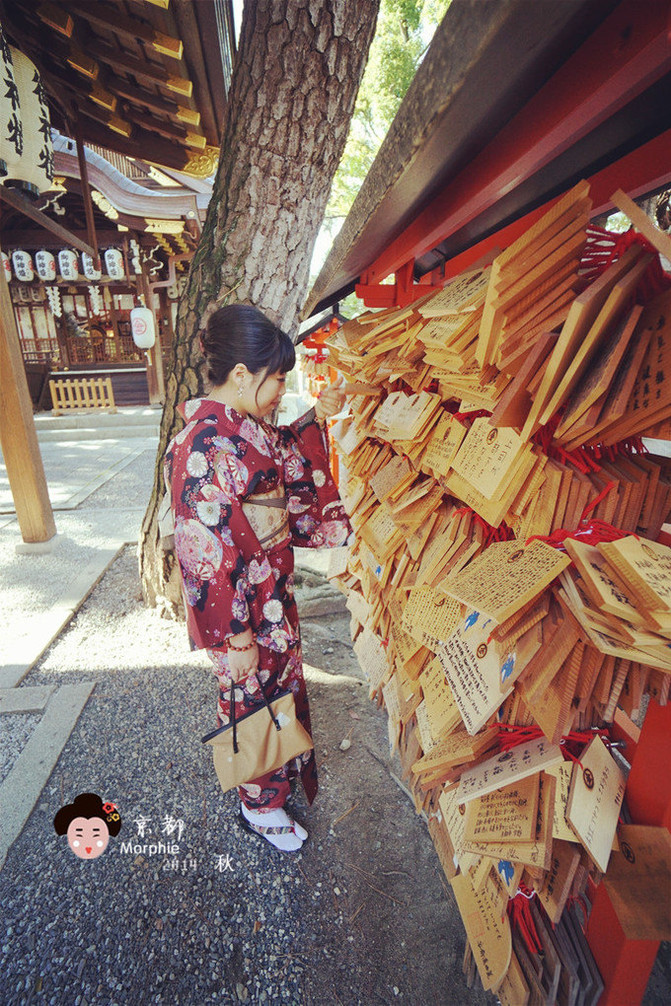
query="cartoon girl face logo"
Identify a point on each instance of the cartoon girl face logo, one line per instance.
(88, 824)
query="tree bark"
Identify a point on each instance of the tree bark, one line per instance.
(294, 84)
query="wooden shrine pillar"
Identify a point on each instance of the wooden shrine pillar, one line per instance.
(155, 376)
(17, 432)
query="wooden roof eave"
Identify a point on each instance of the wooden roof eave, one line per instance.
(183, 85)
(129, 198)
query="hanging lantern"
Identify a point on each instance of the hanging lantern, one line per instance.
(67, 264)
(32, 169)
(11, 130)
(142, 325)
(6, 266)
(89, 268)
(114, 263)
(23, 266)
(45, 264)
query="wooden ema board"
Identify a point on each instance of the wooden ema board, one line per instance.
(582, 315)
(487, 930)
(474, 670)
(595, 802)
(645, 567)
(524, 265)
(639, 882)
(508, 768)
(506, 815)
(610, 313)
(506, 576)
(459, 631)
(596, 380)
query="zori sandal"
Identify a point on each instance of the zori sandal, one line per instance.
(288, 837)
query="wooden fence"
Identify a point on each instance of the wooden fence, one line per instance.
(85, 393)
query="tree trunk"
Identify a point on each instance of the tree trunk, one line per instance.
(294, 84)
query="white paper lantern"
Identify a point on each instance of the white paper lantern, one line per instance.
(142, 325)
(45, 264)
(67, 264)
(23, 266)
(90, 270)
(6, 266)
(11, 129)
(114, 263)
(33, 170)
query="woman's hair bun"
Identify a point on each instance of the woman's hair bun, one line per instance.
(240, 333)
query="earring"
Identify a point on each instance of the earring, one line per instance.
(240, 392)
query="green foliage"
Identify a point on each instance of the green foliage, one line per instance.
(404, 30)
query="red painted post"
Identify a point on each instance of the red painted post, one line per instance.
(625, 964)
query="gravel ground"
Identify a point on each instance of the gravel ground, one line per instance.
(16, 730)
(360, 915)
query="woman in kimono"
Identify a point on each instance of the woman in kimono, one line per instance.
(243, 494)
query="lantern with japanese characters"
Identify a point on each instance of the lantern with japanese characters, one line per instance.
(114, 263)
(23, 266)
(68, 264)
(45, 264)
(11, 130)
(30, 168)
(142, 326)
(89, 268)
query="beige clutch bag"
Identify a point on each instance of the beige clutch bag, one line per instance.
(259, 741)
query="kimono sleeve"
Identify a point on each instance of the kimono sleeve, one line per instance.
(213, 568)
(317, 517)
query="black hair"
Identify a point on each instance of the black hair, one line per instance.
(87, 805)
(240, 333)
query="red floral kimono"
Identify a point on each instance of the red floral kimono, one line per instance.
(231, 582)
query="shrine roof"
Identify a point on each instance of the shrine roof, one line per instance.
(141, 77)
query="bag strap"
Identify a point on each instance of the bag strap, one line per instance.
(271, 713)
(235, 730)
(268, 707)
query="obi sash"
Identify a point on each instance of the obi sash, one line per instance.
(268, 517)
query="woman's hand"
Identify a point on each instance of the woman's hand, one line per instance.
(330, 401)
(245, 662)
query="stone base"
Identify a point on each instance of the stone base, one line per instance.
(36, 547)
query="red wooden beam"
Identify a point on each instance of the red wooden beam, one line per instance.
(628, 53)
(641, 171)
